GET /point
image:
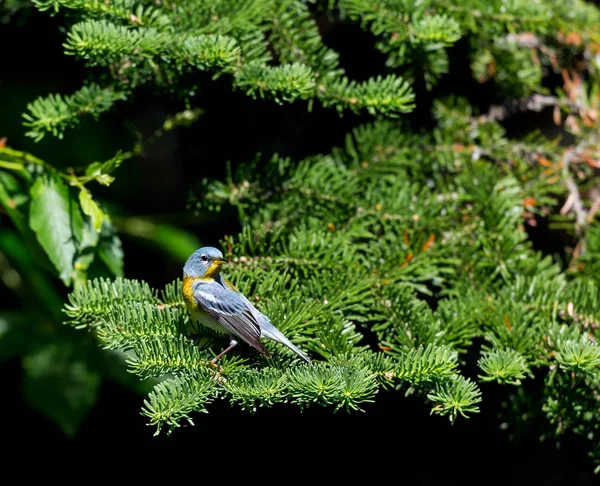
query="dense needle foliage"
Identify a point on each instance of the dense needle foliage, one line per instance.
(394, 258)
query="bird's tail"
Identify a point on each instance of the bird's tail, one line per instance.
(268, 330)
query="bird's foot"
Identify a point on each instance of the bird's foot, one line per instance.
(217, 371)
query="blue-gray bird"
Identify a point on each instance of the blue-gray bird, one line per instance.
(214, 302)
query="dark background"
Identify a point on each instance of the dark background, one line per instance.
(396, 437)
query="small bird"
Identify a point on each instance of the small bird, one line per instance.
(214, 302)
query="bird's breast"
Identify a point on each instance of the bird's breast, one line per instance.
(197, 313)
(188, 293)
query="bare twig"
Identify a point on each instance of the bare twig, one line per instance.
(536, 102)
(594, 209)
(574, 196)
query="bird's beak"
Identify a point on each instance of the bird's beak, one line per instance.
(220, 262)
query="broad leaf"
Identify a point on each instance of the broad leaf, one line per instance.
(109, 249)
(91, 208)
(100, 170)
(11, 196)
(86, 251)
(56, 219)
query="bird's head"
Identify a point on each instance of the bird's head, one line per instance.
(204, 263)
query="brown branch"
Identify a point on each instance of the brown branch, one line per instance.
(595, 207)
(574, 199)
(536, 102)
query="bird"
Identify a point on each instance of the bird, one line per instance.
(216, 303)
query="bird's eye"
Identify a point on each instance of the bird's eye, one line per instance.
(204, 258)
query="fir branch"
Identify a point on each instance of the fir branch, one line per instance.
(503, 366)
(173, 400)
(254, 48)
(588, 263)
(424, 365)
(133, 323)
(579, 356)
(381, 15)
(171, 295)
(258, 388)
(519, 14)
(408, 321)
(204, 52)
(408, 34)
(103, 42)
(456, 396)
(340, 386)
(462, 318)
(339, 337)
(296, 39)
(389, 95)
(435, 30)
(516, 327)
(358, 247)
(301, 253)
(159, 355)
(55, 113)
(91, 302)
(283, 83)
(128, 11)
(223, 17)
(554, 299)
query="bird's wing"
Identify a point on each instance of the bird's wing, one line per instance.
(231, 310)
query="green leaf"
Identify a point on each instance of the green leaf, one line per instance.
(86, 251)
(91, 208)
(10, 196)
(110, 250)
(100, 171)
(93, 170)
(60, 383)
(56, 219)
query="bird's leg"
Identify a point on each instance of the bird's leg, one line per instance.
(232, 344)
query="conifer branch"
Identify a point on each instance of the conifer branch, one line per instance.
(91, 302)
(128, 11)
(174, 400)
(425, 364)
(503, 366)
(103, 42)
(388, 95)
(577, 356)
(384, 259)
(258, 388)
(296, 39)
(136, 323)
(284, 83)
(457, 396)
(165, 355)
(332, 385)
(56, 113)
